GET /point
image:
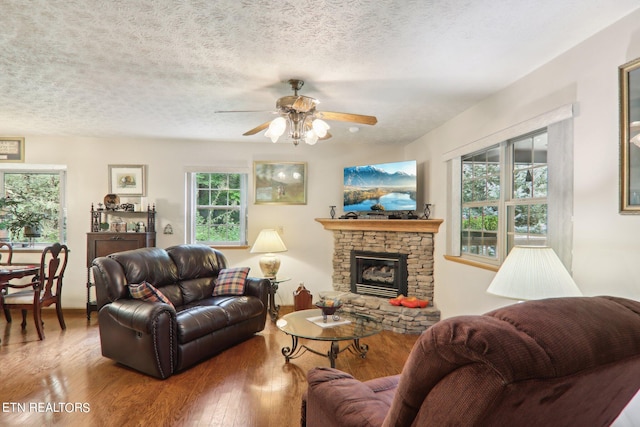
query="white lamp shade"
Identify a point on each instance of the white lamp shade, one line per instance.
(268, 241)
(533, 272)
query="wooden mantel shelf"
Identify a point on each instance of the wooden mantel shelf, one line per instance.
(398, 225)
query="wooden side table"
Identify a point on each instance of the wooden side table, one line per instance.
(273, 308)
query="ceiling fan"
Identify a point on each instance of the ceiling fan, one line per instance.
(299, 114)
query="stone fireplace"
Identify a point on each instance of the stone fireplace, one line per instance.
(413, 239)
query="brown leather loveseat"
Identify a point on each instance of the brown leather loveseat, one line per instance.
(555, 362)
(158, 338)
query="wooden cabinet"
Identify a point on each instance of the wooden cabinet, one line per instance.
(103, 243)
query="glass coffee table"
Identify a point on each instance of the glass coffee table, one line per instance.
(309, 324)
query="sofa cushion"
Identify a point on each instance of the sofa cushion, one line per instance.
(195, 261)
(230, 281)
(200, 320)
(146, 292)
(147, 264)
(239, 308)
(194, 290)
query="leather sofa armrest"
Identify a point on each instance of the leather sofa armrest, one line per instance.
(335, 398)
(138, 315)
(257, 287)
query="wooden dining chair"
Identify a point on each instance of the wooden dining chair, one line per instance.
(43, 291)
(9, 249)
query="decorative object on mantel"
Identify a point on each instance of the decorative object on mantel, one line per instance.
(533, 272)
(332, 211)
(298, 112)
(427, 211)
(11, 149)
(268, 243)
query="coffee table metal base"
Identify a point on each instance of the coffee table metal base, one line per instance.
(296, 350)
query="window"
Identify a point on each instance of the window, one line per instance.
(513, 187)
(36, 196)
(497, 204)
(218, 208)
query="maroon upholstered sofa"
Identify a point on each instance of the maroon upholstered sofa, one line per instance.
(555, 362)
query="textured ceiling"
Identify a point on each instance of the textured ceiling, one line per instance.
(161, 68)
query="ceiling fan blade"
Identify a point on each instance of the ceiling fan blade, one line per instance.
(327, 136)
(347, 117)
(257, 129)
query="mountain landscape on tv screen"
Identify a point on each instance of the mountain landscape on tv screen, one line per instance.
(371, 188)
(371, 176)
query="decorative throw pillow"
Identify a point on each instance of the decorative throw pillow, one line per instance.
(146, 292)
(230, 281)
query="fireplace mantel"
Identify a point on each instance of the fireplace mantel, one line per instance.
(398, 225)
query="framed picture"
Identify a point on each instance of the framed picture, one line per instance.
(128, 180)
(629, 82)
(11, 149)
(282, 183)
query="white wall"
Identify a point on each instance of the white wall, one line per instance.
(606, 245)
(310, 247)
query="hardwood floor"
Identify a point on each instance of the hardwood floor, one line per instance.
(64, 380)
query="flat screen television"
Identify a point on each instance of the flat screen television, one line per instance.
(380, 187)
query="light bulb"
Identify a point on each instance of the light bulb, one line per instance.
(276, 128)
(311, 137)
(320, 127)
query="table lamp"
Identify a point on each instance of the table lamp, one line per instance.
(533, 272)
(269, 242)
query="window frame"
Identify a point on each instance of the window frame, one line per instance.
(192, 207)
(559, 125)
(506, 200)
(59, 170)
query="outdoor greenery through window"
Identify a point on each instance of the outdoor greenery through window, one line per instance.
(504, 197)
(219, 214)
(32, 211)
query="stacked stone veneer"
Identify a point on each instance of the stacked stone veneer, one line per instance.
(419, 249)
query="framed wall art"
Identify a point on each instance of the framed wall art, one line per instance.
(128, 180)
(11, 149)
(629, 82)
(282, 183)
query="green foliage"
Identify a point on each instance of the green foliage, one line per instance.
(32, 199)
(218, 207)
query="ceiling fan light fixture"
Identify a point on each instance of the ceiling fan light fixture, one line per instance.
(320, 128)
(276, 129)
(311, 137)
